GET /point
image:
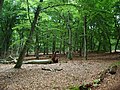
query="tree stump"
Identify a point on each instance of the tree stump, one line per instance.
(54, 57)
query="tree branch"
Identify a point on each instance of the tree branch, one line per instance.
(58, 5)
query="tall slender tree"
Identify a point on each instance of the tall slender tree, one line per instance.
(70, 38)
(85, 37)
(33, 24)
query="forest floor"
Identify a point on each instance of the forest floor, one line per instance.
(62, 75)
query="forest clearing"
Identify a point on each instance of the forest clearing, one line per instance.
(72, 73)
(59, 44)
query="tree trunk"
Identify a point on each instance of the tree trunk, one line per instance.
(91, 42)
(81, 46)
(21, 41)
(22, 53)
(99, 46)
(69, 56)
(7, 36)
(117, 43)
(118, 32)
(47, 48)
(110, 46)
(60, 45)
(37, 46)
(64, 44)
(54, 44)
(76, 42)
(27, 52)
(44, 49)
(1, 4)
(85, 38)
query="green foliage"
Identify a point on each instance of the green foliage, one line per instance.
(96, 81)
(74, 88)
(116, 63)
(102, 23)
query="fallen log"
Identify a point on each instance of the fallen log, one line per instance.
(46, 61)
(8, 60)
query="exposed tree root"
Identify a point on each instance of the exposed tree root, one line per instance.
(50, 69)
(111, 70)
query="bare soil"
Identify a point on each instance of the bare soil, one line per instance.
(72, 73)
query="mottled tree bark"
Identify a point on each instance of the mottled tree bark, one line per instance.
(7, 36)
(22, 53)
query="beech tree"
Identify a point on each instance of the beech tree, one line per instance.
(64, 25)
(33, 24)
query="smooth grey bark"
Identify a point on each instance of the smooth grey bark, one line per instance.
(37, 46)
(64, 44)
(47, 48)
(54, 44)
(117, 27)
(117, 44)
(44, 49)
(85, 38)
(110, 45)
(69, 56)
(60, 45)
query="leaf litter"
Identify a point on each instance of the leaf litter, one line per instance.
(59, 76)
